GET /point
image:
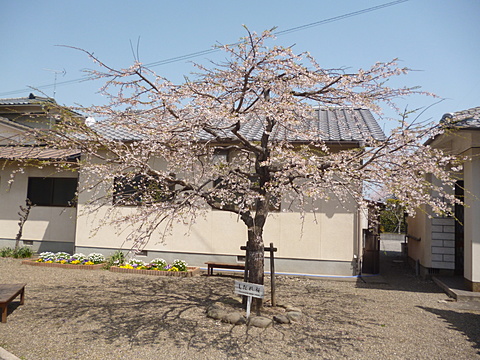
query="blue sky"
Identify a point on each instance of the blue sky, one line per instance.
(437, 38)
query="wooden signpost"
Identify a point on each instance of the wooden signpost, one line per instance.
(249, 290)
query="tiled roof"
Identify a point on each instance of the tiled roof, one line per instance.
(330, 125)
(35, 152)
(467, 119)
(32, 99)
(114, 132)
(10, 123)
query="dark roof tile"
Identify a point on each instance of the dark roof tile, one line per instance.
(330, 125)
(469, 118)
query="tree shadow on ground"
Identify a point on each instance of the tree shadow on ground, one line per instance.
(466, 322)
(171, 311)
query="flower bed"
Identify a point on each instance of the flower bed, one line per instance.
(158, 267)
(191, 271)
(64, 260)
(64, 266)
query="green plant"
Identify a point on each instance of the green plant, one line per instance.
(116, 259)
(23, 252)
(6, 252)
(20, 253)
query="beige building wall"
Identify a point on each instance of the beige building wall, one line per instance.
(325, 240)
(472, 223)
(436, 249)
(297, 236)
(45, 224)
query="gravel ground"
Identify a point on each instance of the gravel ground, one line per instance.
(73, 314)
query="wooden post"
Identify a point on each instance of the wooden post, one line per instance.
(272, 275)
(245, 273)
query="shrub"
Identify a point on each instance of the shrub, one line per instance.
(23, 252)
(20, 253)
(116, 259)
(6, 252)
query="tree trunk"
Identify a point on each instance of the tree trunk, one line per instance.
(24, 212)
(256, 252)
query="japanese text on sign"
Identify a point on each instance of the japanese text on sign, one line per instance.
(249, 289)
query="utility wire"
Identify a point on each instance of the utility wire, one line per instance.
(209, 51)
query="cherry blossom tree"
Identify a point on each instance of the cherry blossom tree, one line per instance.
(200, 130)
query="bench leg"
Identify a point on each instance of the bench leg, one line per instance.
(22, 297)
(4, 313)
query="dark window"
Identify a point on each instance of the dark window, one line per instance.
(141, 189)
(52, 191)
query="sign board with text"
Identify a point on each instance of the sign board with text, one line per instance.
(249, 289)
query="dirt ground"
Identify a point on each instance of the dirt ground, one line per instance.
(73, 314)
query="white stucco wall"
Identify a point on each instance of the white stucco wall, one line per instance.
(45, 223)
(313, 236)
(472, 216)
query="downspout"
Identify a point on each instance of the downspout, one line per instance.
(357, 252)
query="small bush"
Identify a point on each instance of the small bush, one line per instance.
(6, 252)
(23, 252)
(20, 253)
(116, 259)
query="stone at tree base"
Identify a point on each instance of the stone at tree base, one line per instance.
(290, 308)
(259, 321)
(234, 318)
(294, 315)
(216, 313)
(281, 319)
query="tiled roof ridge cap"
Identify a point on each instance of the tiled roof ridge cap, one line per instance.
(338, 107)
(462, 115)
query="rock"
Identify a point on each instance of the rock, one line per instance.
(216, 313)
(294, 315)
(290, 308)
(281, 319)
(217, 306)
(234, 318)
(259, 321)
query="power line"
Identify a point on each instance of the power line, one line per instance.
(340, 17)
(209, 51)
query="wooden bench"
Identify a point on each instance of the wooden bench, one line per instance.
(8, 292)
(218, 265)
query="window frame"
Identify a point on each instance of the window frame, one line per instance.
(49, 191)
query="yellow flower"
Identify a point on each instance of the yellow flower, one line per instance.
(75, 262)
(173, 268)
(89, 263)
(63, 261)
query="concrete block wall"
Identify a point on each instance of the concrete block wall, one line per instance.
(443, 243)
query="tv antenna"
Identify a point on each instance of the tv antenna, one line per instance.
(56, 72)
